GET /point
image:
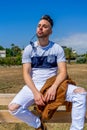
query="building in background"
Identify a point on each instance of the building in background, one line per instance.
(2, 53)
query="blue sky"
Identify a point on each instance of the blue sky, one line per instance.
(19, 19)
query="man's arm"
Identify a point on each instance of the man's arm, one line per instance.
(39, 100)
(61, 76)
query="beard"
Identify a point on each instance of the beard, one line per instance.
(42, 35)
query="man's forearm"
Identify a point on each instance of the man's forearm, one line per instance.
(59, 79)
(28, 80)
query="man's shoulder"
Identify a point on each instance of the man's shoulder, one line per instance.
(56, 45)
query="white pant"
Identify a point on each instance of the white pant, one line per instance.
(25, 99)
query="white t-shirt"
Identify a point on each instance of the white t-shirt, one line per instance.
(43, 60)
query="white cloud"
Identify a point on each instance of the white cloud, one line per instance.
(77, 42)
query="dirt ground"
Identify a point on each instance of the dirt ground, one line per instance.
(78, 72)
(11, 78)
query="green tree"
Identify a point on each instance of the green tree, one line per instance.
(15, 50)
(68, 54)
(9, 52)
(2, 48)
(86, 57)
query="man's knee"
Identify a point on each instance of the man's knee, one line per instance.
(80, 96)
(79, 90)
(13, 107)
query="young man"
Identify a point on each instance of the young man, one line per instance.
(42, 60)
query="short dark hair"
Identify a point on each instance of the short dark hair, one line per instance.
(48, 18)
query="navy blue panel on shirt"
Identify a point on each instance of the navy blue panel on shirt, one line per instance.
(49, 61)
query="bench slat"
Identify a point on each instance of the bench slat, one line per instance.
(6, 98)
(5, 116)
(59, 117)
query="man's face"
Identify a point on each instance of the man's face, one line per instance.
(44, 29)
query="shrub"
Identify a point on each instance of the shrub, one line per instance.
(81, 60)
(10, 61)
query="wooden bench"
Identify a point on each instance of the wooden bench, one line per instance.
(60, 116)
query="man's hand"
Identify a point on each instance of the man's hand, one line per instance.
(39, 99)
(50, 94)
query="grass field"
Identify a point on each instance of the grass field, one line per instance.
(11, 81)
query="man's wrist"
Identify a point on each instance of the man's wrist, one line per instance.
(55, 86)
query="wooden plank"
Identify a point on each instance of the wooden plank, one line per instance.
(6, 98)
(5, 116)
(59, 117)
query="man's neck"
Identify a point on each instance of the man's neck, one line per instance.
(43, 41)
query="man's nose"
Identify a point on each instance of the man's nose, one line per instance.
(40, 27)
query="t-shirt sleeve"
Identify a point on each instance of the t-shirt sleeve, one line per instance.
(26, 57)
(61, 55)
